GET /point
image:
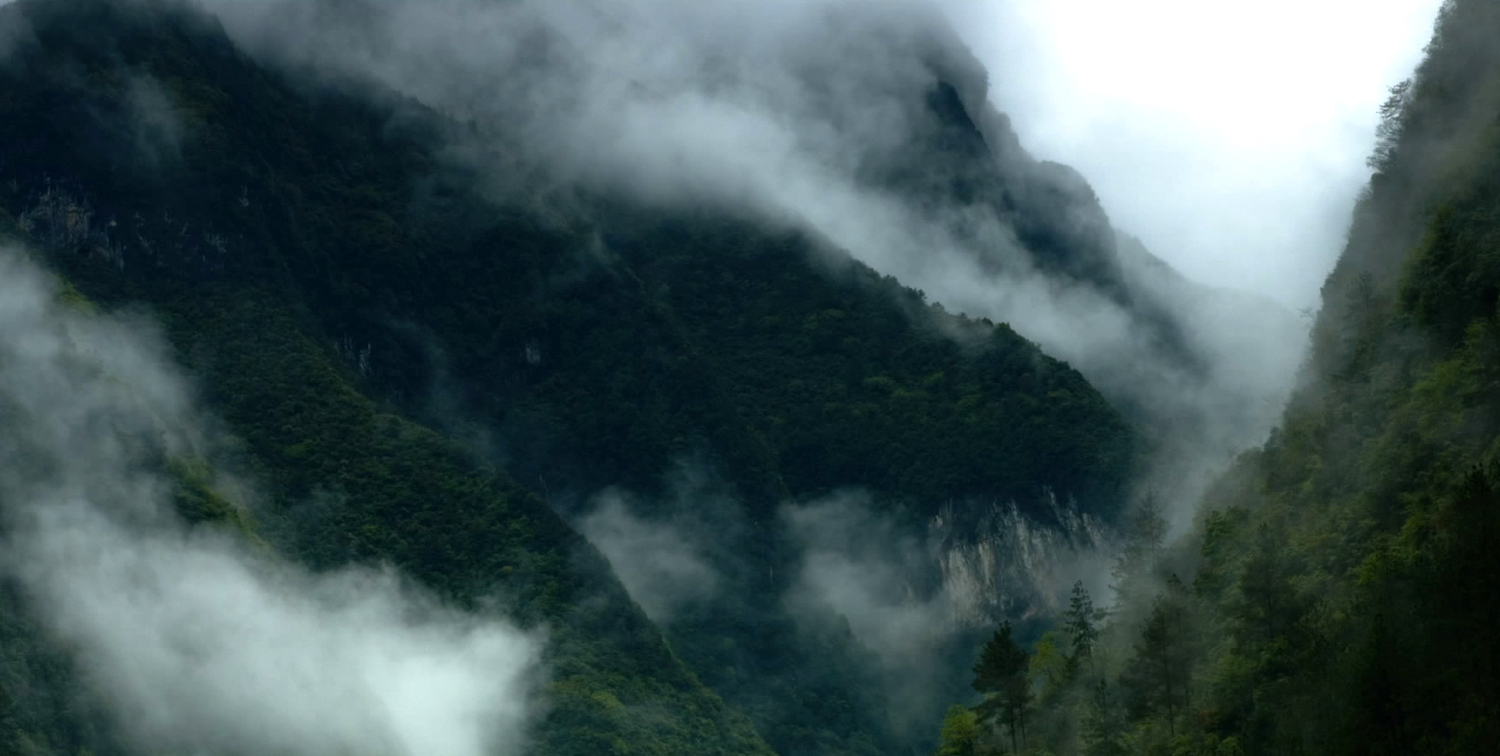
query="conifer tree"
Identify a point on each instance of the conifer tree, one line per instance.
(1266, 608)
(1081, 625)
(1000, 674)
(1159, 675)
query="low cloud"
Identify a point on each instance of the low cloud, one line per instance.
(811, 115)
(660, 562)
(866, 568)
(195, 640)
(921, 596)
(156, 121)
(14, 32)
(915, 594)
(863, 568)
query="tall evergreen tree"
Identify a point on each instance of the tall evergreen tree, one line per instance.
(1158, 677)
(1103, 725)
(1000, 674)
(1388, 132)
(1081, 624)
(1266, 608)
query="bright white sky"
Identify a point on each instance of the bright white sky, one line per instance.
(1229, 137)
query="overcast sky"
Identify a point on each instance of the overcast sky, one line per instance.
(1230, 137)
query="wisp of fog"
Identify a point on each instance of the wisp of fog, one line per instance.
(661, 561)
(793, 111)
(200, 639)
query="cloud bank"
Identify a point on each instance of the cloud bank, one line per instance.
(914, 595)
(1229, 137)
(862, 567)
(813, 114)
(196, 641)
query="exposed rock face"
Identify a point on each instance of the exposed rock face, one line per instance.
(1013, 565)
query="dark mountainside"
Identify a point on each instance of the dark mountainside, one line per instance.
(1200, 373)
(439, 361)
(140, 211)
(347, 298)
(1336, 593)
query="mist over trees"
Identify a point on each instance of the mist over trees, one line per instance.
(427, 373)
(1333, 595)
(591, 378)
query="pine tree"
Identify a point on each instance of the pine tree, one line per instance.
(1103, 727)
(1000, 674)
(1391, 127)
(1149, 526)
(1159, 675)
(1266, 608)
(1080, 624)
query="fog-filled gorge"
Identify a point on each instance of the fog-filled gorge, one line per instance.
(462, 377)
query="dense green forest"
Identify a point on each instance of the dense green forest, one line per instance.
(427, 363)
(1335, 594)
(424, 374)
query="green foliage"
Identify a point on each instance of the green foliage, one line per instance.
(1343, 574)
(352, 303)
(1158, 678)
(1050, 669)
(243, 289)
(847, 376)
(1001, 676)
(45, 710)
(1081, 624)
(960, 733)
(1388, 133)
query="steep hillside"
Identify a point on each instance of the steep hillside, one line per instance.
(1335, 597)
(1201, 372)
(348, 480)
(418, 365)
(867, 126)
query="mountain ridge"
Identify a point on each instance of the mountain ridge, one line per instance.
(255, 217)
(353, 284)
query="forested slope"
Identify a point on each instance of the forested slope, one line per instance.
(347, 480)
(1336, 594)
(396, 348)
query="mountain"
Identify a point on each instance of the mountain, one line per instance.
(729, 368)
(1202, 372)
(424, 372)
(1333, 596)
